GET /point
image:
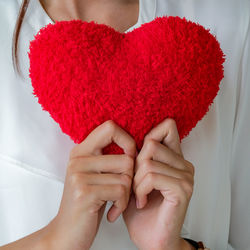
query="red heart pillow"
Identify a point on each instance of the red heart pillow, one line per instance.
(85, 73)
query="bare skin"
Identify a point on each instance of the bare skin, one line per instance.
(119, 14)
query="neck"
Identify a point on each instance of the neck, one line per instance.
(83, 9)
(119, 14)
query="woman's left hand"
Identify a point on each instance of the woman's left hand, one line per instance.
(163, 186)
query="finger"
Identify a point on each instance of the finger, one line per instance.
(102, 136)
(150, 166)
(163, 183)
(102, 179)
(111, 192)
(154, 150)
(120, 164)
(167, 133)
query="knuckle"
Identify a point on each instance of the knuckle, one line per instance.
(126, 179)
(79, 151)
(171, 138)
(190, 167)
(187, 176)
(187, 187)
(170, 122)
(151, 145)
(146, 137)
(132, 146)
(178, 201)
(75, 179)
(146, 164)
(151, 177)
(72, 165)
(180, 194)
(121, 190)
(75, 163)
(110, 126)
(171, 126)
(81, 192)
(129, 162)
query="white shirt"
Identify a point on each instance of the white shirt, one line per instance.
(34, 151)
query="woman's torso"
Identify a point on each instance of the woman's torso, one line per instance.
(34, 151)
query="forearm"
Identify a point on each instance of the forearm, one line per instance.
(34, 241)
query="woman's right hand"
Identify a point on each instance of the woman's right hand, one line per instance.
(92, 179)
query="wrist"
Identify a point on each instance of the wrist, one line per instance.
(49, 237)
(45, 239)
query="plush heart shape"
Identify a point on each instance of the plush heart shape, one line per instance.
(85, 73)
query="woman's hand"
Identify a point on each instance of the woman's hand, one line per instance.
(163, 186)
(92, 179)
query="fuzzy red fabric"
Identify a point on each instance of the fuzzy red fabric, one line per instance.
(85, 73)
